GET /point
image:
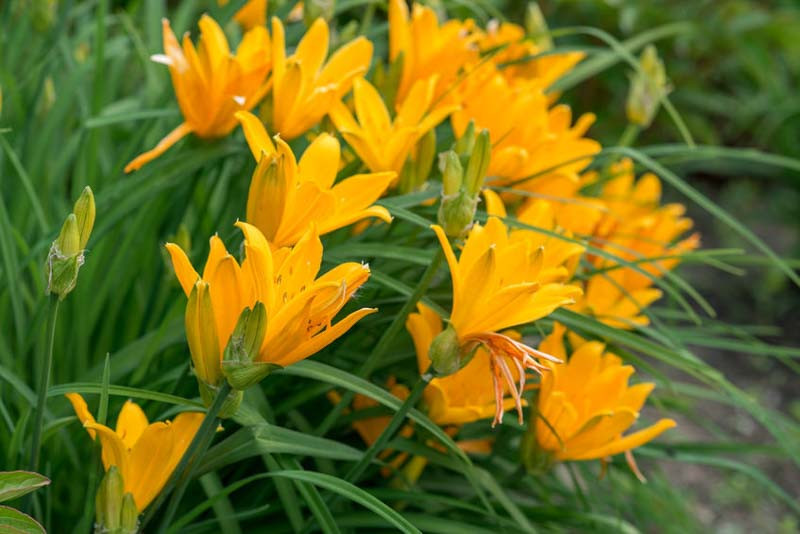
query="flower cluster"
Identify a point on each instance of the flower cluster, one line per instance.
(552, 232)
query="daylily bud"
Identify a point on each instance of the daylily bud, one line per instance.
(129, 517)
(201, 333)
(457, 212)
(423, 162)
(408, 177)
(445, 353)
(536, 460)
(64, 260)
(314, 9)
(66, 252)
(84, 211)
(536, 27)
(238, 363)
(478, 163)
(115, 510)
(109, 499)
(647, 88)
(465, 143)
(452, 173)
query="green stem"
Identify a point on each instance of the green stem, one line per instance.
(629, 135)
(388, 433)
(44, 382)
(384, 342)
(183, 472)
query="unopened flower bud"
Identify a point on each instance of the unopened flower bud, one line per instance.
(201, 334)
(536, 27)
(445, 353)
(423, 159)
(109, 499)
(457, 213)
(465, 143)
(478, 163)
(85, 211)
(452, 174)
(648, 86)
(66, 253)
(535, 459)
(238, 363)
(129, 518)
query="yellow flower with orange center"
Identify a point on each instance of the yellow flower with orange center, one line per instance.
(384, 144)
(501, 281)
(210, 83)
(287, 197)
(304, 85)
(144, 453)
(300, 306)
(586, 404)
(428, 49)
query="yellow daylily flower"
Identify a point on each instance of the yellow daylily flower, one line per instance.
(428, 49)
(585, 404)
(634, 227)
(382, 143)
(499, 282)
(531, 140)
(304, 86)
(287, 197)
(144, 453)
(463, 397)
(509, 46)
(253, 13)
(300, 306)
(210, 83)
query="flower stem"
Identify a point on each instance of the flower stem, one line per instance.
(183, 472)
(629, 135)
(44, 382)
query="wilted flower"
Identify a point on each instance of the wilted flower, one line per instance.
(498, 283)
(382, 143)
(210, 83)
(584, 406)
(304, 86)
(144, 453)
(299, 306)
(287, 197)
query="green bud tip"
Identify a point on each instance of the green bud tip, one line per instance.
(452, 175)
(478, 163)
(445, 353)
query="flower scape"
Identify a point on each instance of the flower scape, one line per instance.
(382, 274)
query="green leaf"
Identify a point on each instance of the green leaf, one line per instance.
(15, 522)
(354, 493)
(15, 484)
(265, 438)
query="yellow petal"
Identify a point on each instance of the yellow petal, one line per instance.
(114, 450)
(149, 464)
(372, 113)
(629, 442)
(171, 138)
(350, 60)
(494, 204)
(186, 274)
(131, 422)
(313, 47)
(201, 334)
(255, 133)
(451, 261)
(320, 161)
(81, 410)
(325, 338)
